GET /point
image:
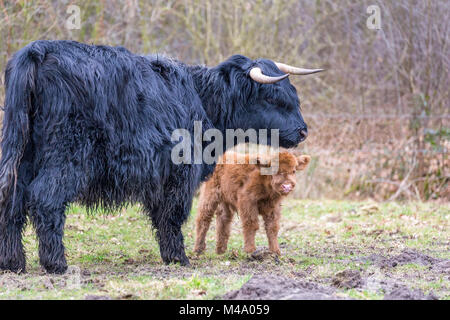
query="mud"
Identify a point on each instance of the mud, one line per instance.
(280, 288)
(347, 279)
(94, 297)
(393, 289)
(263, 254)
(407, 256)
(276, 278)
(379, 278)
(442, 267)
(401, 292)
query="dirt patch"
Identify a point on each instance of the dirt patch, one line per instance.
(41, 281)
(280, 288)
(405, 257)
(94, 297)
(380, 278)
(262, 254)
(442, 267)
(401, 292)
(347, 279)
(393, 289)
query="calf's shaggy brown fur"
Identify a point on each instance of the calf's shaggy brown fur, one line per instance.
(241, 187)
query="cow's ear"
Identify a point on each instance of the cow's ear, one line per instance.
(303, 162)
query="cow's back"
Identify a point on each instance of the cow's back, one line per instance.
(110, 113)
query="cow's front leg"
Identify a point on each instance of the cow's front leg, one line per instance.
(169, 214)
(170, 238)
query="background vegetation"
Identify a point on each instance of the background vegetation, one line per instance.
(379, 117)
(379, 122)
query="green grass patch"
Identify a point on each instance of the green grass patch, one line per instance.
(117, 255)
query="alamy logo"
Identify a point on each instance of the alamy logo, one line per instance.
(374, 20)
(189, 150)
(73, 277)
(74, 20)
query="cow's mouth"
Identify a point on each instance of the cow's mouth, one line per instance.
(291, 139)
(287, 143)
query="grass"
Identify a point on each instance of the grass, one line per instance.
(117, 255)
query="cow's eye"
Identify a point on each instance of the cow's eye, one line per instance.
(293, 171)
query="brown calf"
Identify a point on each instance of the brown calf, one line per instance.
(240, 187)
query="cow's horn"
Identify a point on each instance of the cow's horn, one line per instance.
(257, 75)
(294, 70)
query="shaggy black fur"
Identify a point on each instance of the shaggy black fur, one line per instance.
(93, 124)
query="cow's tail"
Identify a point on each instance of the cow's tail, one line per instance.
(20, 77)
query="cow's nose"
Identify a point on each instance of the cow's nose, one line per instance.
(303, 133)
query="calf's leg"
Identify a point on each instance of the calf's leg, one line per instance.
(272, 226)
(223, 227)
(248, 212)
(207, 206)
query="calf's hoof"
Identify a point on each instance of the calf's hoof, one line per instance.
(199, 249)
(250, 250)
(221, 250)
(276, 251)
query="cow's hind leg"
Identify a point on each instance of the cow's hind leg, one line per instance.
(12, 255)
(12, 221)
(50, 192)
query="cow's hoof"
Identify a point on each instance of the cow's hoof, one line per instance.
(14, 267)
(183, 261)
(55, 268)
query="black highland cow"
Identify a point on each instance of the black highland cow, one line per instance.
(93, 124)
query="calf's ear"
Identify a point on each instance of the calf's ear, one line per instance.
(262, 161)
(303, 162)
